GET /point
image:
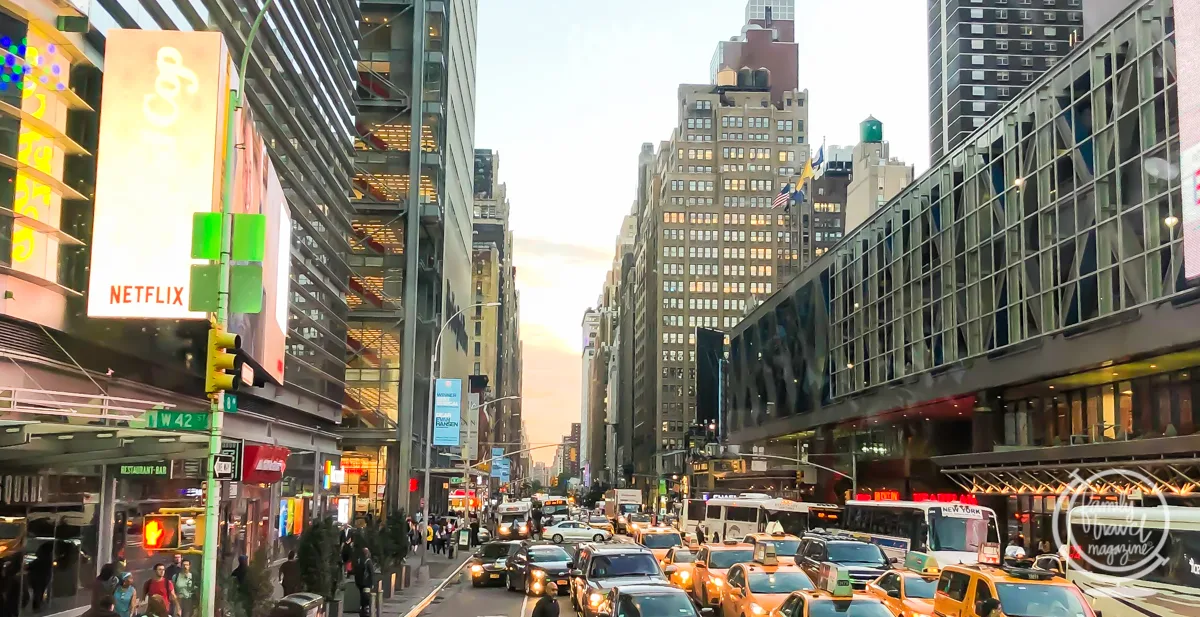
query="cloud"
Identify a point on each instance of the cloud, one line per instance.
(537, 248)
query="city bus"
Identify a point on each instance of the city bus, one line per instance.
(950, 531)
(556, 507)
(1135, 562)
(734, 517)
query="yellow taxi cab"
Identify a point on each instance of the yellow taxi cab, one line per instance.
(711, 567)
(969, 591)
(833, 597)
(599, 521)
(758, 587)
(683, 558)
(785, 544)
(908, 591)
(659, 540)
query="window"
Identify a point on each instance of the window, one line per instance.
(1002, 14)
(1050, 32)
(977, 75)
(954, 584)
(1001, 60)
(976, 28)
(1002, 29)
(978, 91)
(977, 44)
(478, 349)
(976, 13)
(1002, 45)
(977, 60)
(978, 106)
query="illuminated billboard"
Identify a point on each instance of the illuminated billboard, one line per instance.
(1187, 80)
(161, 131)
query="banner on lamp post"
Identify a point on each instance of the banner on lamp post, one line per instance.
(447, 412)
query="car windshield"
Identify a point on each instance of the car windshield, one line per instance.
(847, 608)
(631, 564)
(961, 532)
(550, 553)
(784, 548)
(724, 559)
(917, 587)
(855, 553)
(598, 520)
(11, 531)
(683, 557)
(496, 551)
(1022, 600)
(661, 540)
(675, 604)
(778, 582)
(640, 518)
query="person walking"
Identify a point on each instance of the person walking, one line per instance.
(474, 530)
(700, 534)
(289, 575)
(159, 585)
(104, 607)
(364, 579)
(125, 598)
(105, 584)
(185, 588)
(175, 568)
(156, 606)
(547, 605)
(428, 537)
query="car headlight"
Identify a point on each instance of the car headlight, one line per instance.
(683, 575)
(476, 569)
(539, 574)
(620, 519)
(524, 526)
(756, 609)
(595, 599)
(537, 587)
(718, 582)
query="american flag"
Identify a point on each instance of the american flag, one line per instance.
(784, 196)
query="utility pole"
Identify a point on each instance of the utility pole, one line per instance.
(219, 341)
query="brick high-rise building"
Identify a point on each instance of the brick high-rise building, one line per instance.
(983, 52)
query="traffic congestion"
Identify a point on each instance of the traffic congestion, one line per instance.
(752, 555)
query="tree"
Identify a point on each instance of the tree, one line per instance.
(394, 540)
(320, 559)
(536, 486)
(255, 598)
(563, 481)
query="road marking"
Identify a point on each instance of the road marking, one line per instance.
(524, 603)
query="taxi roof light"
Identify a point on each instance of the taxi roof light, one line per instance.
(921, 563)
(1029, 574)
(731, 542)
(835, 580)
(765, 554)
(989, 553)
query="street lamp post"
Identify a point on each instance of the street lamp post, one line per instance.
(212, 498)
(466, 456)
(437, 343)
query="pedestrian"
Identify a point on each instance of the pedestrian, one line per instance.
(716, 538)
(989, 607)
(125, 598)
(157, 607)
(1044, 547)
(700, 534)
(239, 573)
(289, 575)
(547, 605)
(364, 579)
(105, 584)
(474, 530)
(347, 552)
(185, 588)
(437, 537)
(103, 607)
(159, 585)
(175, 568)
(428, 537)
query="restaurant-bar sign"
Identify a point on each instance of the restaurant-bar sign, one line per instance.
(161, 131)
(158, 470)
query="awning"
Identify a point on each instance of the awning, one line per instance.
(1166, 465)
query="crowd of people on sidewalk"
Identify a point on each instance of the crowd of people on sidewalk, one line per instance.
(171, 591)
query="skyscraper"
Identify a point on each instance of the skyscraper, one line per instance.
(876, 176)
(983, 52)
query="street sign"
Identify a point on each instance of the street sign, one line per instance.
(233, 449)
(456, 480)
(223, 467)
(172, 420)
(228, 402)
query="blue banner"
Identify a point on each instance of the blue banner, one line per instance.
(447, 412)
(498, 464)
(505, 470)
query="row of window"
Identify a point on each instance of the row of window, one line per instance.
(1004, 75)
(827, 236)
(699, 123)
(826, 207)
(694, 154)
(702, 287)
(1002, 45)
(697, 169)
(1026, 61)
(692, 185)
(1026, 15)
(692, 201)
(741, 201)
(1001, 91)
(779, 139)
(1029, 2)
(741, 184)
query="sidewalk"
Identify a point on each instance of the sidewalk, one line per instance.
(439, 568)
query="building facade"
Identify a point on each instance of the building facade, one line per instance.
(875, 176)
(414, 248)
(822, 221)
(982, 54)
(1017, 314)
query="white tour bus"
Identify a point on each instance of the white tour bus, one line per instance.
(1165, 538)
(951, 532)
(735, 517)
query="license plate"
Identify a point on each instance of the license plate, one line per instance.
(495, 576)
(562, 582)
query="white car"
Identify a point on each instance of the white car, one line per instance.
(575, 531)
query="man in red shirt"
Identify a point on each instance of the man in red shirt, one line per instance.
(160, 585)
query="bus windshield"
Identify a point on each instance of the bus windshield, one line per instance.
(962, 531)
(555, 509)
(795, 523)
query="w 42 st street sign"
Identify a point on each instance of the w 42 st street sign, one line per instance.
(171, 420)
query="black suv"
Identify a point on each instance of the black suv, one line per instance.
(597, 568)
(865, 561)
(535, 565)
(489, 564)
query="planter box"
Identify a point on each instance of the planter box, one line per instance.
(389, 583)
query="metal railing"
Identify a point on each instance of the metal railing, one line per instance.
(37, 402)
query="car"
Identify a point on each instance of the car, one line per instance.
(682, 558)
(863, 560)
(600, 567)
(786, 544)
(712, 565)
(1021, 591)
(650, 600)
(536, 564)
(833, 597)
(636, 521)
(489, 564)
(760, 586)
(601, 522)
(575, 531)
(908, 591)
(659, 540)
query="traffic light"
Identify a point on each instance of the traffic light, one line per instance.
(221, 371)
(160, 531)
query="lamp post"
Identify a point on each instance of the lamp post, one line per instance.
(437, 343)
(466, 456)
(212, 498)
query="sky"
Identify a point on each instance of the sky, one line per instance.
(567, 91)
